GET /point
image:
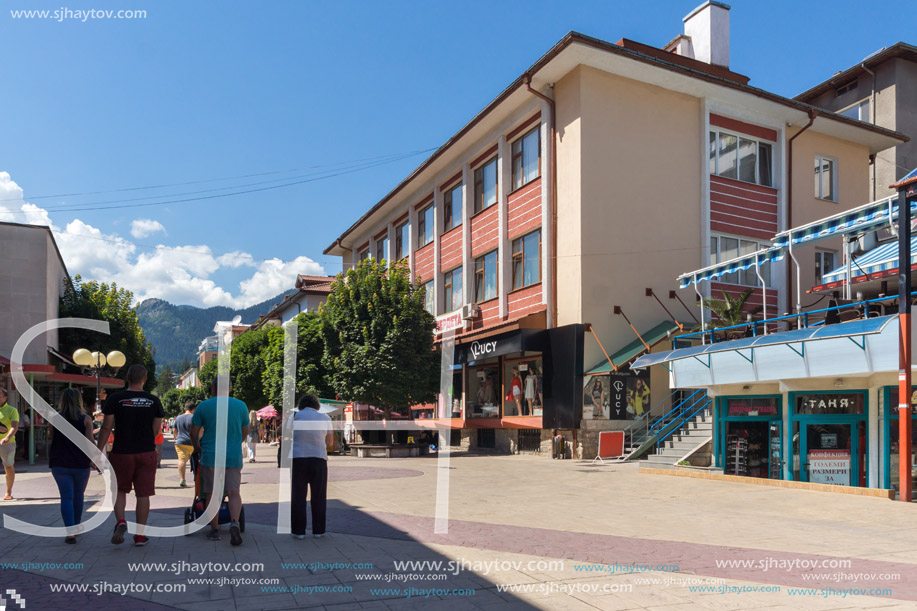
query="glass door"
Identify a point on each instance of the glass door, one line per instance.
(830, 453)
(775, 450)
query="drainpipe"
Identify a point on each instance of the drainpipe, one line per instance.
(552, 199)
(789, 196)
(872, 108)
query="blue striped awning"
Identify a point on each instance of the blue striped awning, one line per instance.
(763, 256)
(879, 259)
(864, 218)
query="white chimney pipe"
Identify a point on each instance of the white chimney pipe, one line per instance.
(708, 27)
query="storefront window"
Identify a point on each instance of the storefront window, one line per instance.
(894, 438)
(482, 399)
(523, 386)
(753, 441)
(834, 403)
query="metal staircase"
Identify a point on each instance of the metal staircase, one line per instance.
(688, 424)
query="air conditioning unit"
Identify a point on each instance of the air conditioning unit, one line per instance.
(470, 310)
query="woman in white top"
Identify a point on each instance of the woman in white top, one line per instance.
(530, 381)
(310, 466)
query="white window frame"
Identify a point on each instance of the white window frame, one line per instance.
(834, 170)
(715, 258)
(859, 107)
(820, 259)
(739, 136)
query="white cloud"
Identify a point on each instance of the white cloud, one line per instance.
(179, 274)
(141, 228)
(274, 277)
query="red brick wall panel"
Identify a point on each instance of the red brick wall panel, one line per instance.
(450, 249)
(485, 232)
(523, 209)
(423, 262)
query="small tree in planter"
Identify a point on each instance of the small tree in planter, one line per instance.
(379, 339)
(729, 311)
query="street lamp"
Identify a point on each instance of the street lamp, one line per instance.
(93, 363)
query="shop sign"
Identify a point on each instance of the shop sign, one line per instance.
(829, 467)
(751, 407)
(448, 322)
(835, 403)
(893, 400)
(624, 396)
(506, 343)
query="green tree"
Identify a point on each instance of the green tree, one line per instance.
(379, 338)
(100, 301)
(206, 373)
(164, 382)
(310, 372)
(730, 311)
(173, 401)
(247, 366)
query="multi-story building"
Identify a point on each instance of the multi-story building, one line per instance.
(603, 171)
(882, 89)
(189, 379)
(310, 292)
(208, 350)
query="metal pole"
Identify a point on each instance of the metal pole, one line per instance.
(703, 318)
(904, 344)
(763, 292)
(31, 419)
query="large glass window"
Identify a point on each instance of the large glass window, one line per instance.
(402, 239)
(523, 386)
(894, 438)
(364, 254)
(725, 248)
(740, 157)
(485, 186)
(425, 226)
(452, 289)
(382, 249)
(428, 297)
(527, 158)
(527, 260)
(859, 111)
(485, 277)
(483, 397)
(825, 178)
(452, 208)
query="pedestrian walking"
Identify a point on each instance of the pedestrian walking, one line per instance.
(136, 417)
(310, 467)
(9, 424)
(252, 437)
(69, 464)
(181, 435)
(203, 436)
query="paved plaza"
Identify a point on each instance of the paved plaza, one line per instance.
(524, 533)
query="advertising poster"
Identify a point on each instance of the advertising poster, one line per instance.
(621, 396)
(829, 467)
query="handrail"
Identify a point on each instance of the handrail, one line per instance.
(805, 316)
(677, 407)
(641, 424)
(662, 437)
(680, 418)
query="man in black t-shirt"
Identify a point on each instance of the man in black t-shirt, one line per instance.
(136, 416)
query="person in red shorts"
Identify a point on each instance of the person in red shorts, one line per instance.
(136, 416)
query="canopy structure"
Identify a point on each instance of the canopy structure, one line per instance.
(856, 347)
(634, 349)
(880, 259)
(757, 258)
(267, 412)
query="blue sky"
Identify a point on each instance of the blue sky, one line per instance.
(199, 91)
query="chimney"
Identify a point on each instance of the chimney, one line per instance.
(708, 28)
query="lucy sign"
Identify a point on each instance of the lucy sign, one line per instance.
(482, 349)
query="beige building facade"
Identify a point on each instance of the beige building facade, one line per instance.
(649, 163)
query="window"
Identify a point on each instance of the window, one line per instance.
(452, 208)
(382, 249)
(824, 263)
(852, 85)
(485, 186)
(484, 384)
(402, 239)
(364, 255)
(527, 158)
(858, 111)
(428, 296)
(452, 289)
(485, 277)
(825, 178)
(724, 248)
(527, 260)
(740, 157)
(425, 226)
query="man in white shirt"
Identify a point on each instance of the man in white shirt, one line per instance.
(310, 467)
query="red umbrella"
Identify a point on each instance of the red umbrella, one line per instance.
(267, 413)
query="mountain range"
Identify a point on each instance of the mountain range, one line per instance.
(176, 331)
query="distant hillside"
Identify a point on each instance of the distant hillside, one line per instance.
(176, 331)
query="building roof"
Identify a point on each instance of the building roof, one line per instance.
(899, 49)
(575, 49)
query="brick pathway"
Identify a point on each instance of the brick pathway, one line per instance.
(36, 593)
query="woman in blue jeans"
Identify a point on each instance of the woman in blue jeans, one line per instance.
(69, 465)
